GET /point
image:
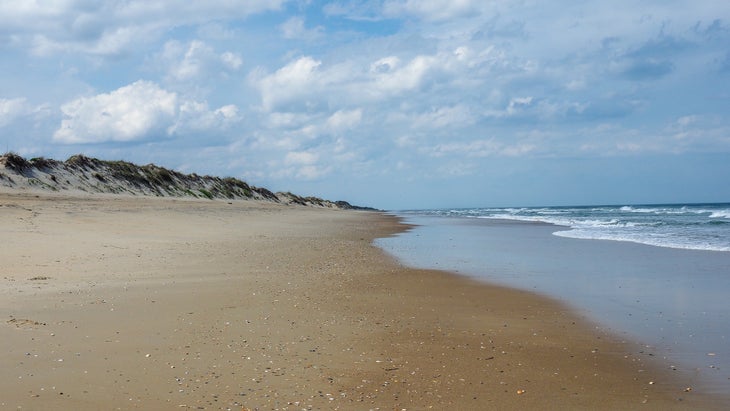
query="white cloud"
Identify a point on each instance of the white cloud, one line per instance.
(232, 61)
(693, 132)
(129, 113)
(302, 135)
(385, 65)
(294, 29)
(685, 121)
(297, 80)
(301, 157)
(482, 148)
(301, 165)
(197, 116)
(344, 120)
(516, 105)
(195, 61)
(139, 111)
(228, 112)
(196, 56)
(457, 169)
(390, 79)
(11, 109)
(424, 83)
(576, 84)
(312, 172)
(215, 30)
(358, 10)
(109, 28)
(433, 9)
(454, 117)
(286, 120)
(306, 82)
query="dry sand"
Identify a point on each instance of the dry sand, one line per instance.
(158, 304)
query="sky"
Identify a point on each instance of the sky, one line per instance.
(394, 104)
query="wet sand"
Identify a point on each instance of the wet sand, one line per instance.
(672, 301)
(145, 303)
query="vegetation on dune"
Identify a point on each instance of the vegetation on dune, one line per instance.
(43, 164)
(94, 175)
(16, 163)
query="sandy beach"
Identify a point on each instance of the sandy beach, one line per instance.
(112, 302)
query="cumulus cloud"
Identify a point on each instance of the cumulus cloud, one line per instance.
(441, 119)
(407, 77)
(308, 137)
(11, 109)
(132, 112)
(300, 157)
(422, 83)
(139, 111)
(695, 133)
(192, 62)
(295, 29)
(286, 120)
(295, 81)
(195, 60)
(516, 106)
(108, 28)
(358, 10)
(307, 82)
(456, 116)
(385, 65)
(344, 120)
(197, 116)
(302, 165)
(232, 61)
(432, 9)
(482, 148)
(312, 172)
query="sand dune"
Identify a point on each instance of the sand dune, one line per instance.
(82, 174)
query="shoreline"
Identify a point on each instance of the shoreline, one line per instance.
(642, 293)
(138, 303)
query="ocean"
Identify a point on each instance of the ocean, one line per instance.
(657, 274)
(686, 226)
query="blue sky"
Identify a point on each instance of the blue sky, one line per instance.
(392, 104)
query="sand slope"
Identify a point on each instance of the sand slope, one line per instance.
(80, 174)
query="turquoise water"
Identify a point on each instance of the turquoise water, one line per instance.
(673, 297)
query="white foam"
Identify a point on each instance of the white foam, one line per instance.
(720, 214)
(682, 227)
(667, 241)
(630, 209)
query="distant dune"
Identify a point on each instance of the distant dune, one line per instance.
(91, 175)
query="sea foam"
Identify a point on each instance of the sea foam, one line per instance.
(683, 226)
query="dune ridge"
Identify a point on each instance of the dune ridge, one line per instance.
(92, 175)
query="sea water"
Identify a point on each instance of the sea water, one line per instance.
(686, 226)
(659, 274)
